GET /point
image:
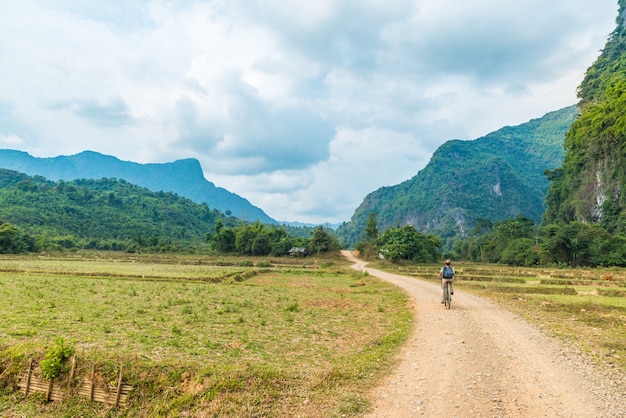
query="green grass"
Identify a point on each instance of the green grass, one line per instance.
(296, 337)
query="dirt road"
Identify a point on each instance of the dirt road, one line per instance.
(477, 360)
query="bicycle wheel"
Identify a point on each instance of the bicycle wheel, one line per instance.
(448, 298)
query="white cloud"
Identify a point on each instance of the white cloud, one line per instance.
(11, 140)
(382, 158)
(303, 108)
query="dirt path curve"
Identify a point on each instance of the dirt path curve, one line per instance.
(477, 360)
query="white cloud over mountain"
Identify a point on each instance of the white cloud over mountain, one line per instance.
(300, 107)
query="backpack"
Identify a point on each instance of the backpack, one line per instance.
(448, 272)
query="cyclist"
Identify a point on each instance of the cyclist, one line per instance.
(446, 274)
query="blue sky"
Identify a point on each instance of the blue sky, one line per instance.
(303, 108)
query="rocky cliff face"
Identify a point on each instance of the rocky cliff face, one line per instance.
(588, 187)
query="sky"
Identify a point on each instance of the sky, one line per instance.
(301, 107)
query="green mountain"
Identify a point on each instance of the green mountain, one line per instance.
(588, 188)
(183, 177)
(495, 177)
(103, 214)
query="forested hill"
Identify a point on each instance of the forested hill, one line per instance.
(183, 177)
(103, 214)
(495, 177)
(589, 187)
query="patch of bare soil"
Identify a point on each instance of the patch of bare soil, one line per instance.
(477, 360)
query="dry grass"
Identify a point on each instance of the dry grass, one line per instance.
(296, 336)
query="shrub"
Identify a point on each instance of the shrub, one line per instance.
(55, 358)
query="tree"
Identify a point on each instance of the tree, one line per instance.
(261, 245)
(13, 240)
(482, 226)
(371, 227)
(573, 243)
(407, 243)
(322, 242)
(611, 251)
(244, 238)
(506, 232)
(521, 252)
(224, 240)
(254, 239)
(283, 245)
(219, 224)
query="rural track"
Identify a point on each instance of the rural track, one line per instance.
(477, 360)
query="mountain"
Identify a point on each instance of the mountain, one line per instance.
(589, 187)
(104, 214)
(183, 177)
(495, 177)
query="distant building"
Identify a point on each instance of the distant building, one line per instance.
(298, 252)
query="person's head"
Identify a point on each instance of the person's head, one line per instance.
(448, 262)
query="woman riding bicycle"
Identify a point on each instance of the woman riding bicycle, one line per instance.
(446, 274)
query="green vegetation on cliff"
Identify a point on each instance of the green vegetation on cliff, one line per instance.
(588, 187)
(102, 214)
(495, 177)
(585, 221)
(111, 214)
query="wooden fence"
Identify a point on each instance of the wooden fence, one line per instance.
(88, 386)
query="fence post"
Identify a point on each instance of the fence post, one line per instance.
(71, 379)
(30, 372)
(93, 376)
(119, 386)
(49, 393)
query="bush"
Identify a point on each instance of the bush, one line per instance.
(521, 252)
(52, 364)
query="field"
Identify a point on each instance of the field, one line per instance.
(207, 336)
(210, 336)
(584, 307)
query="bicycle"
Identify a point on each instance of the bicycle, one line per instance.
(447, 297)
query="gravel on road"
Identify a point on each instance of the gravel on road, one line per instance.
(478, 360)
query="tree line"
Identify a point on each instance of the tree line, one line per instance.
(520, 242)
(258, 239)
(111, 214)
(517, 241)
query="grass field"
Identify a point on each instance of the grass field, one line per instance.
(585, 307)
(209, 336)
(221, 337)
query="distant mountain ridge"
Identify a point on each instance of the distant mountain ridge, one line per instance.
(495, 177)
(183, 177)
